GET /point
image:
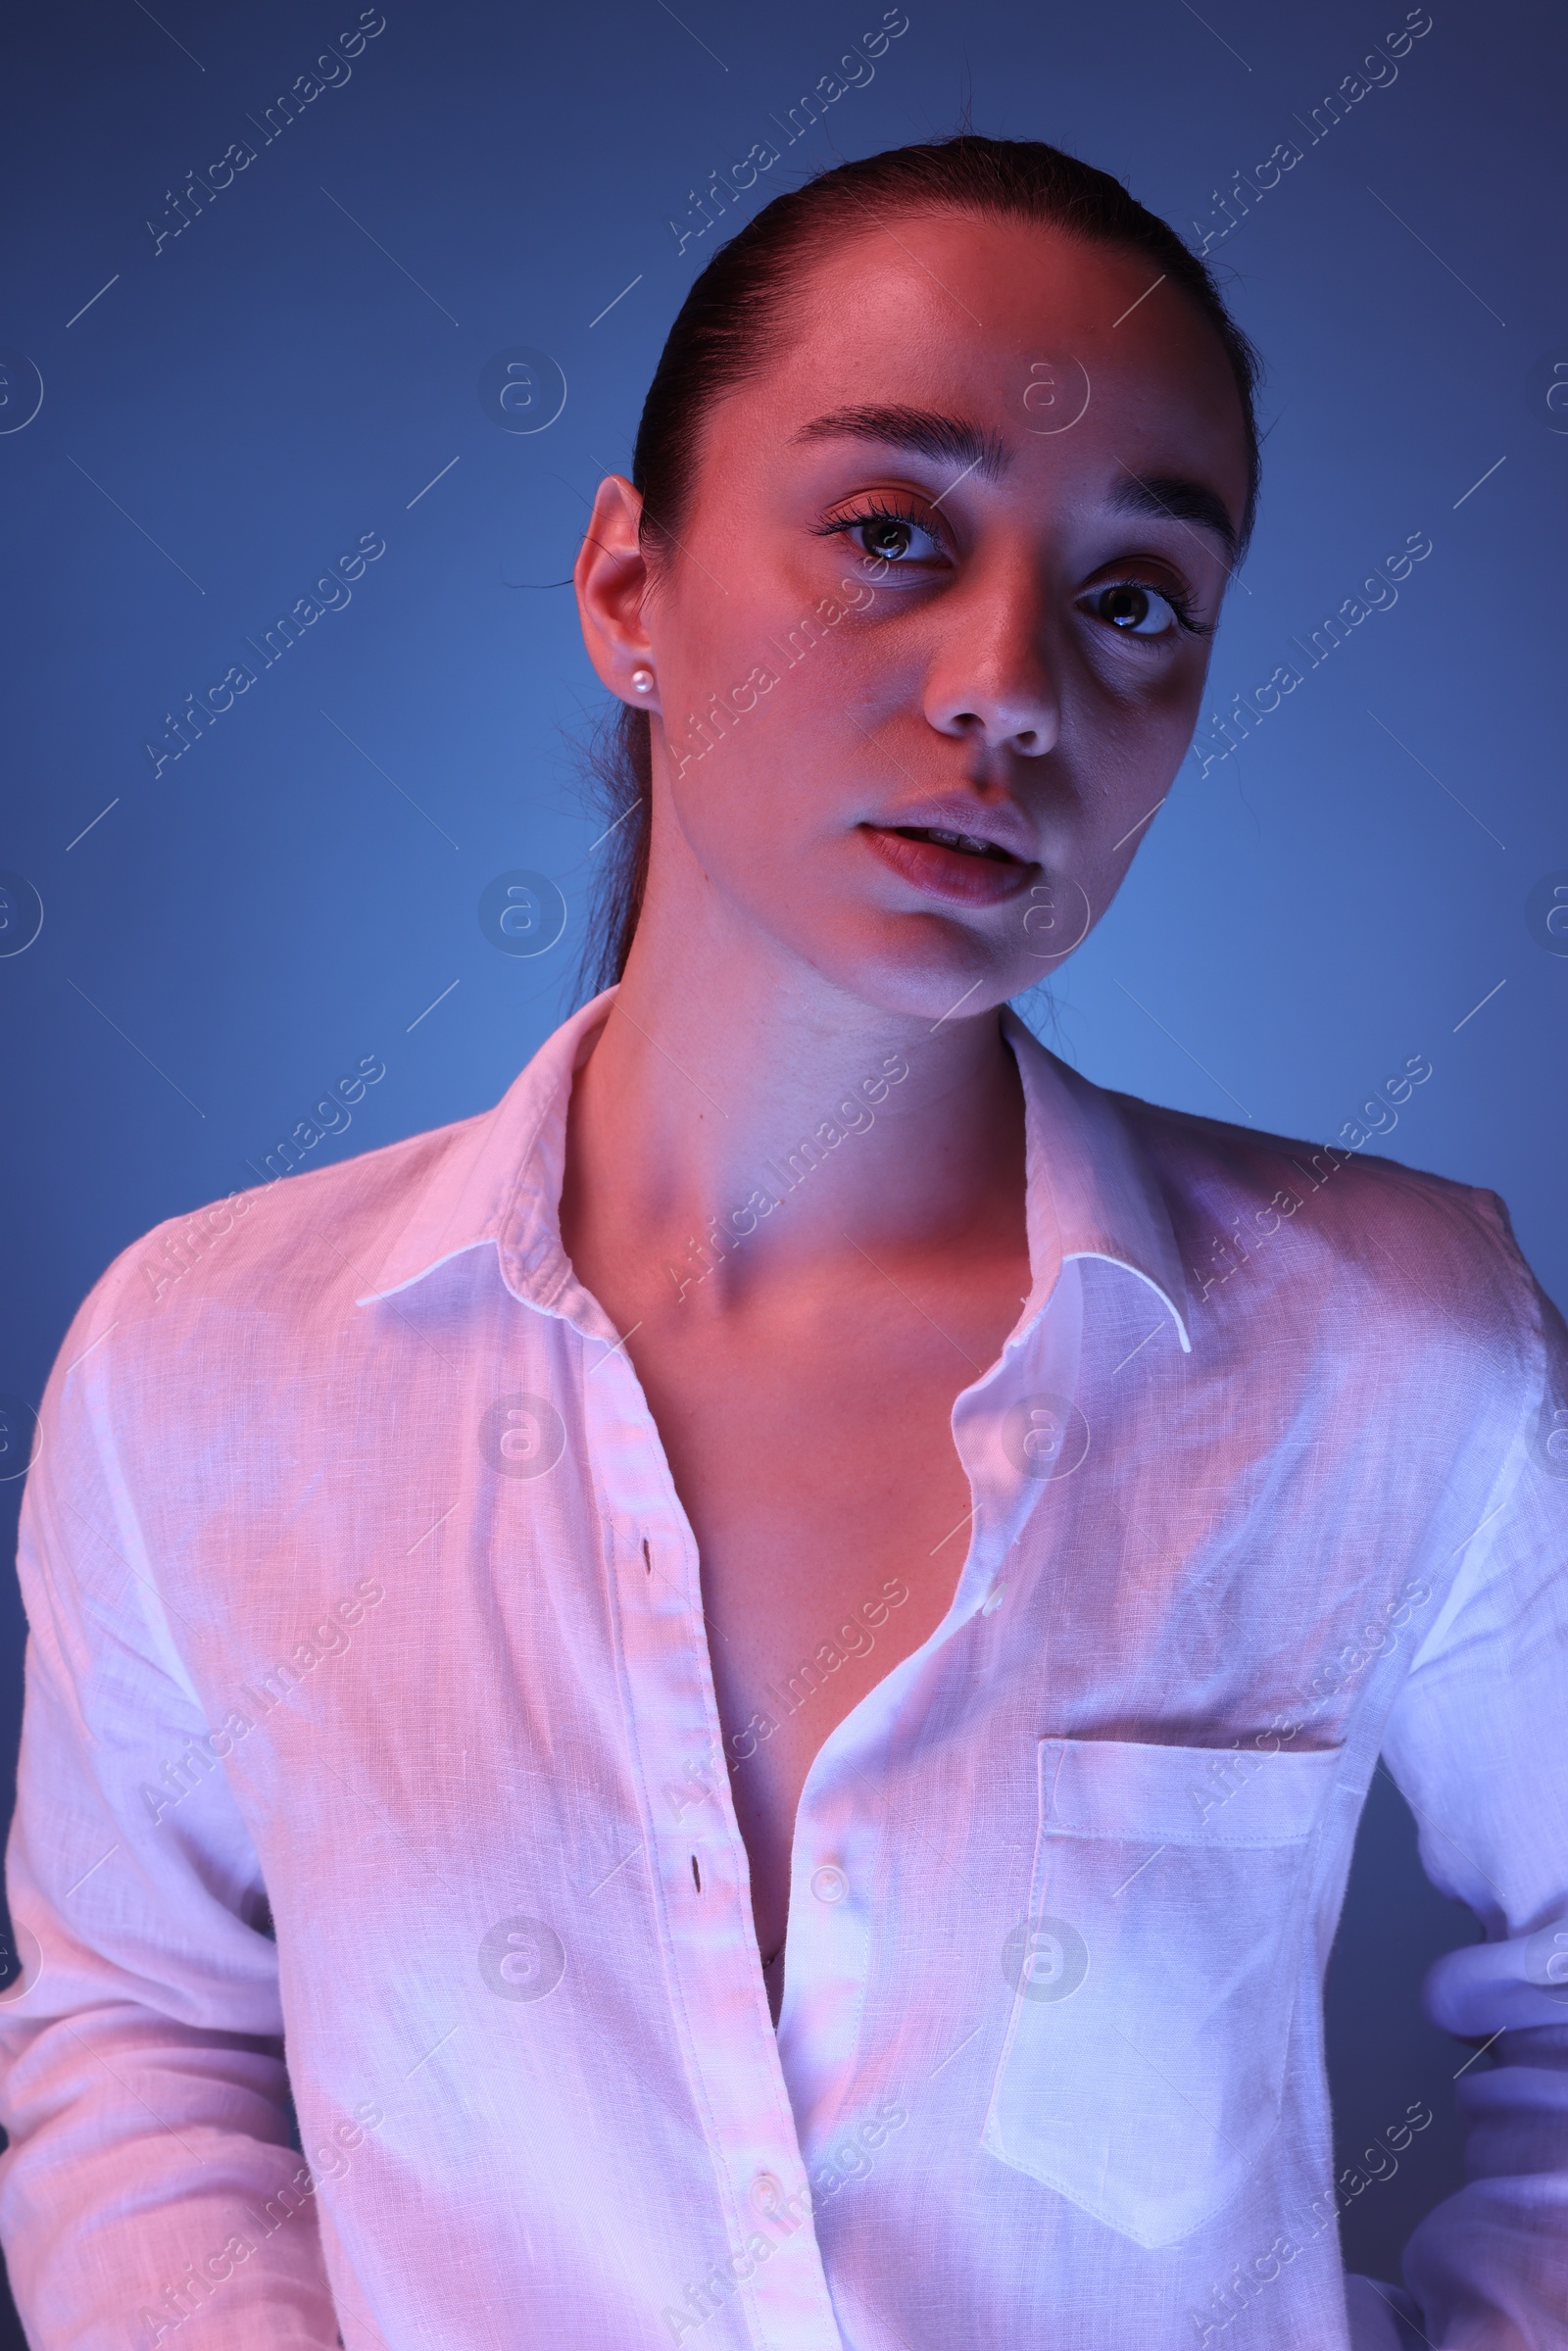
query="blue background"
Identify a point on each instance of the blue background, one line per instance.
(221, 941)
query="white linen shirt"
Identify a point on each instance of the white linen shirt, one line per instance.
(370, 1754)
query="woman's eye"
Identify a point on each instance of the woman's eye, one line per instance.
(1134, 610)
(893, 539)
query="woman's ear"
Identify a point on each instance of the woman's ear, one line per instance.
(610, 578)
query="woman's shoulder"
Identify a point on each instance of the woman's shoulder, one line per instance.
(1334, 1231)
(287, 1247)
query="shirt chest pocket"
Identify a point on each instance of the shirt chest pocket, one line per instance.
(1155, 1975)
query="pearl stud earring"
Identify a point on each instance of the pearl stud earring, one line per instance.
(642, 681)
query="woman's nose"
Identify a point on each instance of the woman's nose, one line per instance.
(990, 678)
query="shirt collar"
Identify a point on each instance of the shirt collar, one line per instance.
(1091, 1191)
(496, 1180)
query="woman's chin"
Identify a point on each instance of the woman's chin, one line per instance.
(925, 966)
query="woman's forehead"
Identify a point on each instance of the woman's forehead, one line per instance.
(973, 267)
(1025, 335)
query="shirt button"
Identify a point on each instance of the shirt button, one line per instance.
(829, 1885)
(768, 2195)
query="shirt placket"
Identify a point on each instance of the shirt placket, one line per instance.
(702, 1878)
(841, 1821)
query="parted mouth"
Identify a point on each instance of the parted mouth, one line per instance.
(964, 863)
(970, 844)
(963, 824)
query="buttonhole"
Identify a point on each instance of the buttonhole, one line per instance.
(697, 1875)
(646, 1557)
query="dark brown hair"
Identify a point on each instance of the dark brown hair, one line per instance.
(727, 327)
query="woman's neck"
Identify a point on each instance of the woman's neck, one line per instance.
(728, 1076)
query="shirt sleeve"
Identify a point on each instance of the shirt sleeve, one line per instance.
(1478, 1742)
(150, 2188)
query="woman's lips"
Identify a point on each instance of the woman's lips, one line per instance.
(966, 876)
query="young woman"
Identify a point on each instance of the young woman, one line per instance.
(766, 1658)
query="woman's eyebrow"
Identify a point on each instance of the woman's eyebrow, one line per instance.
(1175, 498)
(920, 431)
(924, 432)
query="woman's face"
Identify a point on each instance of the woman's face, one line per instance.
(932, 645)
